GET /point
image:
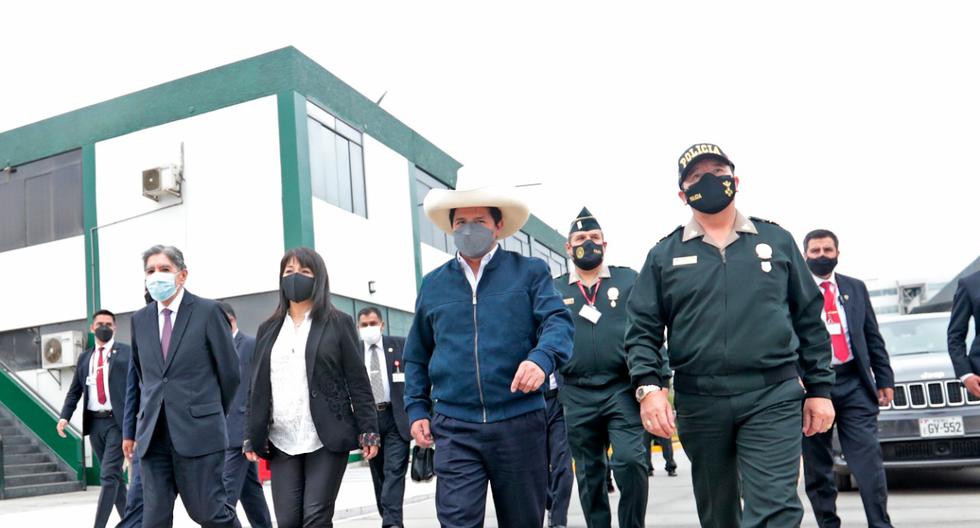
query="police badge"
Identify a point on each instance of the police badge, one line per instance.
(613, 294)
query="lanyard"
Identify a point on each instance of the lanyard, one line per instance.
(586, 295)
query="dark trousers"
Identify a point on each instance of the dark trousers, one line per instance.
(744, 447)
(196, 479)
(560, 465)
(598, 417)
(666, 447)
(388, 470)
(511, 454)
(857, 429)
(106, 439)
(304, 487)
(241, 480)
(134, 498)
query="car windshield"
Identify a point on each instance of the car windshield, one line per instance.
(917, 336)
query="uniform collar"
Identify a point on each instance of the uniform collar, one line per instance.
(742, 225)
(573, 273)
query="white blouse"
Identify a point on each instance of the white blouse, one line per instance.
(292, 429)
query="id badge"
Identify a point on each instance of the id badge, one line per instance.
(590, 313)
(398, 377)
(835, 328)
(89, 380)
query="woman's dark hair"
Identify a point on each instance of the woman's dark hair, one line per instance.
(307, 258)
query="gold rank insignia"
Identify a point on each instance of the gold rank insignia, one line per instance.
(570, 301)
(728, 188)
(613, 294)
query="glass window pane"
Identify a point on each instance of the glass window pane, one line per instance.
(540, 250)
(40, 228)
(330, 167)
(349, 132)
(66, 186)
(357, 180)
(18, 350)
(344, 196)
(318, 173)
(13, 228)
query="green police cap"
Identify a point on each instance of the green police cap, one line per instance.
(698, 152)
(584, 222)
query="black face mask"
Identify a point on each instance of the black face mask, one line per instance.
(297, 287)
(103, 333)
(587, 256)
(711, 194)
(821, 266)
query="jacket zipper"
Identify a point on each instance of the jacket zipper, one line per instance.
(476, 356)
(724, 265)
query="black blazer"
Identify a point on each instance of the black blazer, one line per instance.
(245, 345)
(867, 345)
(966, 304)
(393, 347)
(118, 360)
(196, 383)
(341, 401)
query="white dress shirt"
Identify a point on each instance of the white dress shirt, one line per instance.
(174, 306)
(475, 280)
(383, 359)
(840, 311)
(292, 430)
(91, 381)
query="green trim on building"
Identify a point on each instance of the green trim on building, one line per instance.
(416, 237)
(90, 220)
(294, 159)
(545, 234)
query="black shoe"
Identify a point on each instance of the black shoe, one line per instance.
(671, 472)
(650, 472)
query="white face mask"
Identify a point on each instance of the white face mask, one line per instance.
(370, 334)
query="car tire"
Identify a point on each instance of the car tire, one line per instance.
(843, 481)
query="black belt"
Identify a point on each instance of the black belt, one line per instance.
(550, 394)
(847, 368)
(100, 414)
(383, 406)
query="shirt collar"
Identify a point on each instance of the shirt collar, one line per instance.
(832, 279)
(108, 345)
(573, 273)
(174, 306)
(484, 261)
(742, 225)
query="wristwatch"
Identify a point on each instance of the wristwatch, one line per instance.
(643, 390)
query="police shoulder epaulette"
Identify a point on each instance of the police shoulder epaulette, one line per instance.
(757, 219)
(671, 233)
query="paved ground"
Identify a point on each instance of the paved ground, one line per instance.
(946, 499)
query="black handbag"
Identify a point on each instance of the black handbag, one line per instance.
(423, 465)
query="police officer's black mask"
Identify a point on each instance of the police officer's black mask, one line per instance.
(712, 193)
(588, 255)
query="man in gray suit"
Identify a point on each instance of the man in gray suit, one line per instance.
(241, 477)
(188, 371)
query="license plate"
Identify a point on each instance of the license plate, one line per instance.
(945, 426)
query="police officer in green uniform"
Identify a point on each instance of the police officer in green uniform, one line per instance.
(749, 351)
(600, 408)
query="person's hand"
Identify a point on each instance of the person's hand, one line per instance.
(885, 396)
(818, 416)
(421, 433)
(657, 414)
(128, 447)
(61, 428)
(369, 452)
(972, 383)
(529, 377)
(251, 456)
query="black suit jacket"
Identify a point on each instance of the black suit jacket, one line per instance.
(118, 360)
(245, 345)
(341, 401)
(196, 383)
(867, 345)
(393, 347)
(966, 304)
(132, 402)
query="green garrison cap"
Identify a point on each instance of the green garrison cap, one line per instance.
(584, 222)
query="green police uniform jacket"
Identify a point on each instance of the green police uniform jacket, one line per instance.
(598, 354)
(737, 319)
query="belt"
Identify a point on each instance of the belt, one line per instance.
(101, 414)
(846, 368)
(383, 406)
(550, 394)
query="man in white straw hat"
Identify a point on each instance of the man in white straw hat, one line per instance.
(489, 328)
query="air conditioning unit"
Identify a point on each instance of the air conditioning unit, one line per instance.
(162, 181)
(61, 349)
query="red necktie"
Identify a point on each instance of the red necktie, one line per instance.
(99, 382)
(839, 340)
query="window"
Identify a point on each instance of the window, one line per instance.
(19, 351)
(428, 232)
(519, 242)
(556, 261)
(42, 201)
(337, 164)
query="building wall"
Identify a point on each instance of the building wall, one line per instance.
(43, 283)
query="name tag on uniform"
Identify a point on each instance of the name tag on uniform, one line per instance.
(685, 261)
(590, 313)
(835, 328)
(570, 301)
(398, 377)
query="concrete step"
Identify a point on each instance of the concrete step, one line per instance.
(15, 439)
(29, 458)
(21, 449)
(18, 492)
(35, 479)
(16, 470)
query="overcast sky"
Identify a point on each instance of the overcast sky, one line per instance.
(854, 116)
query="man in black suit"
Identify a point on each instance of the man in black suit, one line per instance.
(241, 477)
(966, 304)
(383, 360)
(100, 382)
(865, 381)
(188, 371)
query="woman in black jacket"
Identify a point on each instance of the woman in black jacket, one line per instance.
(310, 399)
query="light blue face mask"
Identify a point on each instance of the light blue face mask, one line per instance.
(161, 285)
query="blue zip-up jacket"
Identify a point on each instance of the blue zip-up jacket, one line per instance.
(463, 350)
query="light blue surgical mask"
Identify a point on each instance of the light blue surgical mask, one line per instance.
(161, 285)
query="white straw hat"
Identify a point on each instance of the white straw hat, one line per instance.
(439, 202)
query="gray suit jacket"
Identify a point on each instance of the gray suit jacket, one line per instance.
(194, 386)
